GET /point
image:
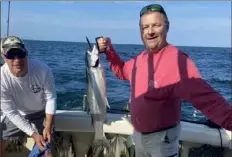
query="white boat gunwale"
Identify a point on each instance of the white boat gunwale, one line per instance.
(80, 121)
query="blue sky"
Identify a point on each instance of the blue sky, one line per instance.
(191, 23)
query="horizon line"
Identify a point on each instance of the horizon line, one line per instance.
(125, 44)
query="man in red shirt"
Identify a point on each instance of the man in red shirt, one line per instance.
(160, 77)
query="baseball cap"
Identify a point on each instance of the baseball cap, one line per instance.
(153, 8)
(12, 42)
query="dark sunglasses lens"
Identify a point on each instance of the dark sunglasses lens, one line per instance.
(14, 55)
(22, 55)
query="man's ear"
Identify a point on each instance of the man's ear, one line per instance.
(3, 57)
(167, 26)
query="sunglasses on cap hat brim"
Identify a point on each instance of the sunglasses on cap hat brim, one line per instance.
(153, 8)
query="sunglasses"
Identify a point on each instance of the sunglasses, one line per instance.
(153, 8)
(12, 54)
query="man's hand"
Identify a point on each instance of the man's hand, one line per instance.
(47, 134)
(104, 43)
(39, 140)
(48, 127)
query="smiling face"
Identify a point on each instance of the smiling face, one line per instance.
(153, 29)
(17, 62)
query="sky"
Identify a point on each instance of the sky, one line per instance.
(191, 23)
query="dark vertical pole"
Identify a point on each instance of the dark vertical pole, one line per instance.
(8, 20)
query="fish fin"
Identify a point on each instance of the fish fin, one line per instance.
(89, 52)
(107, 103)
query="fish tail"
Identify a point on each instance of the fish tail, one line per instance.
(99, 145)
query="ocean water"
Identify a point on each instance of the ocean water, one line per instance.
(67, 62)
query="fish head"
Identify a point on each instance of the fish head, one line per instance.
(93, 57)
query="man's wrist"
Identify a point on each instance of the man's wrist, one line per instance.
(48, 127)
(49, 121)
(34, 134)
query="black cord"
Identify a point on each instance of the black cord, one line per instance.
(222, 149)
(118, 111)
(195, 122)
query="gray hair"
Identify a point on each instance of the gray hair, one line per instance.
(166, 21)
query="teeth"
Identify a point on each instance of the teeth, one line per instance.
(151, 38)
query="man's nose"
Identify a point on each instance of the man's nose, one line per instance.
(151, 30)
(17, 59)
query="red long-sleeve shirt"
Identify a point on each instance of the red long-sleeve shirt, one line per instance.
(158, 83)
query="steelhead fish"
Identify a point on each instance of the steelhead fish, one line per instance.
(96, 98)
